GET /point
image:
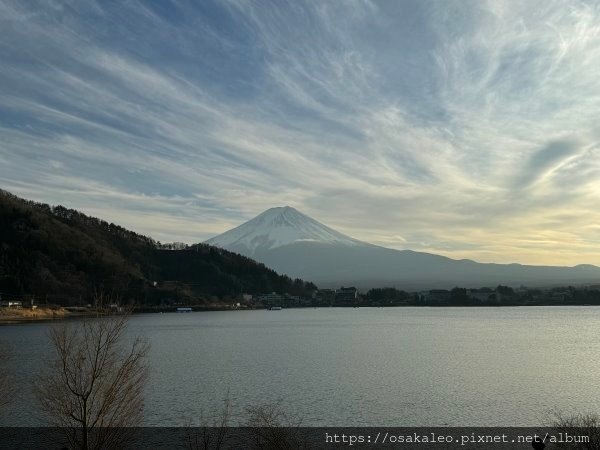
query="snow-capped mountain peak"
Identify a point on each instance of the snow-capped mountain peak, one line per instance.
(277, 227)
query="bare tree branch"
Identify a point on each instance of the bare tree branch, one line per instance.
(272, 428)
(577, 425)
(210, 434)
(94, 387)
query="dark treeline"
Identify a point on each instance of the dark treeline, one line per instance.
(60, 253)
(485, 296)
(387, 297)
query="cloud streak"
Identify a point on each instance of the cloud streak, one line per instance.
(466, 129)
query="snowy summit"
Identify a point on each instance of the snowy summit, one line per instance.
(277, 227)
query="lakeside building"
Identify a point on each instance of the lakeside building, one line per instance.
(272, 299)
(11, 304)
(114, 307)
(346, 296)
(287, 300)
(436, 296)
(323, 297)
(340, 297)
(484, 295)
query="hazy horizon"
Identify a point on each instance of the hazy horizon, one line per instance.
(464, 129)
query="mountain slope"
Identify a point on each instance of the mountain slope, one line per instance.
(64, 254)
(277, 227)
(372, 266)
(334, 262)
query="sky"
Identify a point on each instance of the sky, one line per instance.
(464, 128)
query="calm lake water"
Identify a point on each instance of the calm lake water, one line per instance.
(357, 367)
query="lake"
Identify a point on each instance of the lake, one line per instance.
(356, 367)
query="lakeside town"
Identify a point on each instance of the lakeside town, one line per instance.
(381, 297)
(26, 307)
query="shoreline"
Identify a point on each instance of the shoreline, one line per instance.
(51, 315)
(44, 315)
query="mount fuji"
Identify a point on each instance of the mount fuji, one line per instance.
(278, 227)
(297, 245)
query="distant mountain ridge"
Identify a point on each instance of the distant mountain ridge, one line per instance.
(297, 245)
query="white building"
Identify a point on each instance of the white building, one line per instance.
(11, 304)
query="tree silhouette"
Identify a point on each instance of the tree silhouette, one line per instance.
(94, 385)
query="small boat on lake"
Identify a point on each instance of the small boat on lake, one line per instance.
(275, 308)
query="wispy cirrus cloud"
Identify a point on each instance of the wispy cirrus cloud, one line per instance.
(463, 128)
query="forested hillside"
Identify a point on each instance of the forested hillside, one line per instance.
(62, 254)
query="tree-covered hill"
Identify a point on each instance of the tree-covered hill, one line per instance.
(62, 254)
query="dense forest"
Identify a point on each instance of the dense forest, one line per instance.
(67, 257)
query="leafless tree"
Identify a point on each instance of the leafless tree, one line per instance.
(578, 425)
(103, 299)
(93, 387)
(267, 426)
(6, 388)
(272, 428)
(210, 434)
